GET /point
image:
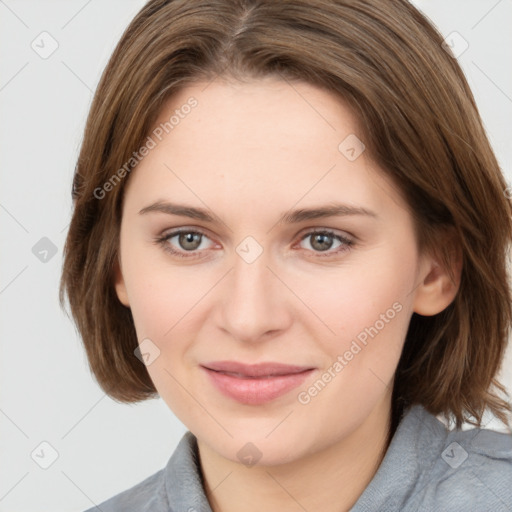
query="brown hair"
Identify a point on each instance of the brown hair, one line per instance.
(420, 125)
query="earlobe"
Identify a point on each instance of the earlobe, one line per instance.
(120, 285)
(438, 287)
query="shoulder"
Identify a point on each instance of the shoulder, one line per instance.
(474, 472)
(148, 495)
(428, 467)
(178, 486)
(465, 470)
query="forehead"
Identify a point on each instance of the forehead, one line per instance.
(270, 114)
(259, 141)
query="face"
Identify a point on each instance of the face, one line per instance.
(265, 317)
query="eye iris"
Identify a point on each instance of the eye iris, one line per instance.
(191, 241)
(321, 238)
(190, 238)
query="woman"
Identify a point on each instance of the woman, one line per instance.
(290, 225)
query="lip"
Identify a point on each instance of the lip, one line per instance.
(255, 384)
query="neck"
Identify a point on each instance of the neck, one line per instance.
(330, 480)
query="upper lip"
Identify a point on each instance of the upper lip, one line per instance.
(255, 370)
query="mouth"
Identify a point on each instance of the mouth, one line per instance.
(255, 384)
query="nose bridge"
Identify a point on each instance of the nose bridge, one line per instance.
(251, 277)
(253, 304)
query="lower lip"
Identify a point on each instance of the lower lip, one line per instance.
(256, 391)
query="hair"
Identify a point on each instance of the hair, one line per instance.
(419, 123)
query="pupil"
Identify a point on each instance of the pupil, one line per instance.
(190, 238)
(322, 238)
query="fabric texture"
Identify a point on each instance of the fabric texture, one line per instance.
(426, 468)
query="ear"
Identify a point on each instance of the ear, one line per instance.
(440, 281)
(120, 285)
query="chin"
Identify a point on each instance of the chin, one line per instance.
(251, 447)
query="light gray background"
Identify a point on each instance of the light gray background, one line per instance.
(46, 390)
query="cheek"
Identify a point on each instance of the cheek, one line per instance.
(367, 309)
(162, 296)
(165, 305)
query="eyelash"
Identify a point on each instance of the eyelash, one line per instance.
(163, 241)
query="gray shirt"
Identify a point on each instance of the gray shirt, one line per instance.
(426, 468)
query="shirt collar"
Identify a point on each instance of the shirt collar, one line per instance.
(397, 474)
(413, 450)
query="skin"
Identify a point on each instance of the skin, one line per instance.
(249, 152)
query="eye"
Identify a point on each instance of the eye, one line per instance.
(191, 242)
(186, 241)
(322, 241)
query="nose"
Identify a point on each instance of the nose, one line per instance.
(255, 304)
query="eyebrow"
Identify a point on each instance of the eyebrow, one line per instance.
(288, 217)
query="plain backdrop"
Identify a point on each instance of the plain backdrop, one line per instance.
(93, 446)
